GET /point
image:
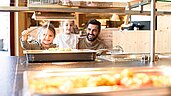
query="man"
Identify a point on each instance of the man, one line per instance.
(91, 41)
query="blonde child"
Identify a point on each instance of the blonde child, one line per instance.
(66, 38)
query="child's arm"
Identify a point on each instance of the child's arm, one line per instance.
(24, 35)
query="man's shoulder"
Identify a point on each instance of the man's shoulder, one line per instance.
(100, 41)
(102, 44)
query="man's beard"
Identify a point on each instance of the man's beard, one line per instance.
(91, 37)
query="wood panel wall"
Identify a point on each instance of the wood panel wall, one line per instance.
(139, 41)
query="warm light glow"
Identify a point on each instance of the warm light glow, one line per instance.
(51, 16)
(115, 17)
(133, 56)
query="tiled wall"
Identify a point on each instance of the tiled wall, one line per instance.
(107, 36)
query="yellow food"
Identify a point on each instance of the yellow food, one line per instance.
(60, 49)
(53, 49)
(124, 79)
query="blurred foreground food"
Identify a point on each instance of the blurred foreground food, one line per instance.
(125, 79)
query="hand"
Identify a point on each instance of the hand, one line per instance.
(25, 34)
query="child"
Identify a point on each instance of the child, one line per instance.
(66, 38)
(45, 42)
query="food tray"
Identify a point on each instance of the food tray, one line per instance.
(54, 56)
(128, 56)
(71, 82)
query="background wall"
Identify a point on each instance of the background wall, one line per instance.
(139, 41)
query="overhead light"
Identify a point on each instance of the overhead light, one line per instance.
(115, 17)
(52, 16)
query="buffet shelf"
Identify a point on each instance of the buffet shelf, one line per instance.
(97, 65)
(80, 10)
(118, 6)
(11, 83)
(60, 9)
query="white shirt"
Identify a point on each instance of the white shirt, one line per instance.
(66, 40)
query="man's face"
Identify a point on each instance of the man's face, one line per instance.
(92, 32)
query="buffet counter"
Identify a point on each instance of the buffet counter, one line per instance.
(12, 69)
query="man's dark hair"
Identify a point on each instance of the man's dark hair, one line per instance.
(50, 27)
(94, 22)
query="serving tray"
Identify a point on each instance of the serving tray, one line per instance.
(80, 82)
(54, 56)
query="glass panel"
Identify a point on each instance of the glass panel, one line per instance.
(4, 29)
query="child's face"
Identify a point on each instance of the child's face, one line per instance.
(68, 26)
(47, 36)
